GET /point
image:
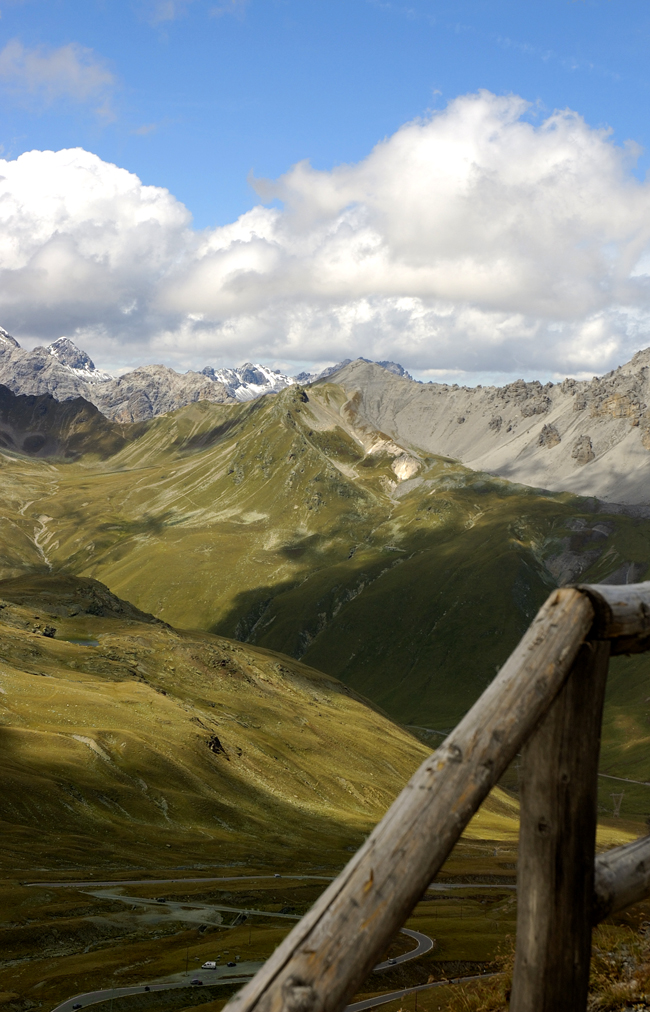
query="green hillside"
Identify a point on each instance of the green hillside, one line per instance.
(281, 523)
(121, 737)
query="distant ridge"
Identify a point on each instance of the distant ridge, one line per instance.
(591, 437)
(65, 371)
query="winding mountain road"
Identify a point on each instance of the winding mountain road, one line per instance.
(189, 911)
(383, 999)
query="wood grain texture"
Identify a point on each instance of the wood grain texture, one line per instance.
(622, 878)
(557, 837)
(622, 612)
(333, 948)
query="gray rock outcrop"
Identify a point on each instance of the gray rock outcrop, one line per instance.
(6, 340)
(589, 437)
(155, 390)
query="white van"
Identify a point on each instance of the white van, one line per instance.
(210, 965)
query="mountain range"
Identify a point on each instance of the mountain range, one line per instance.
(353, 523)
(231, 630)
(65, 371)
(292, 524)
(587, 437)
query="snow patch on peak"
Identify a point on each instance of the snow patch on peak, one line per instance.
(6, 340)
(248, 381)
(77, 361)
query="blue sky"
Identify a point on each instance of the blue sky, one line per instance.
(221, 89)
(198, 96)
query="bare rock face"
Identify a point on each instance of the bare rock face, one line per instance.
(68, 354)
(7, 341)
(549, 437)
(39, 372)
(405, 466)
(64, 371)
(509, 431)
(583, 451)
(154, 390)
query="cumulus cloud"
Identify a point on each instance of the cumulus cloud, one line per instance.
(471, 240)
(71, 72)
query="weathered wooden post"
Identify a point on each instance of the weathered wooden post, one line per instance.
(559, 791)
(557, 837)
(550, 691)
(333, 948)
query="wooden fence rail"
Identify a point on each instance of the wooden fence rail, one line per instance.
(622, 877)
(546, 699)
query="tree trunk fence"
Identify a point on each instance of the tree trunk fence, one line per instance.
(547, 702)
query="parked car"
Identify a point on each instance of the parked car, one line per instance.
(195, 980)
(210, 965)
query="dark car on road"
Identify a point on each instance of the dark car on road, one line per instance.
(195, 980)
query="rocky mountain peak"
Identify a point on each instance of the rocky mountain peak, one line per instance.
(250, 380)
(68, 354)
(395, 368)
(6, 340)
(252, 374)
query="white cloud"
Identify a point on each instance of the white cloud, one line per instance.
(160, 11)
(471, 240)
(70, 72)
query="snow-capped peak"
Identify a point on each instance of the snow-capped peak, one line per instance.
(77, 361)
(6, 340)
(248, 381)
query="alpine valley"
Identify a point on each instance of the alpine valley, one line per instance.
(234, 614)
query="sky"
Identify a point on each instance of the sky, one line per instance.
(458, 186)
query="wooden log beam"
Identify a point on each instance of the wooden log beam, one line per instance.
(622, 615)
(622, 878)
(336, 944)
(557, 838)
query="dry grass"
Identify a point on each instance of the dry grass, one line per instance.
(156, 751)
(620, 969)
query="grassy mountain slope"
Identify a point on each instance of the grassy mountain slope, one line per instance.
(283, 523)
(120, 736)
(131, 750)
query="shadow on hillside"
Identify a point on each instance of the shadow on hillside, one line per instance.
(420, 630)
(228, 427)
(421, 625)
(65, 805)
